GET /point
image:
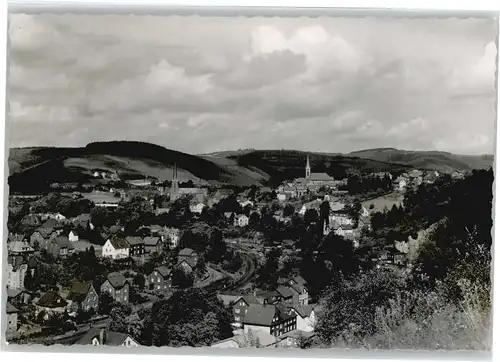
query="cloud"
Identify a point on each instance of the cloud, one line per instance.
(204, 84)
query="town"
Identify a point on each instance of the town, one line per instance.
(91, 263)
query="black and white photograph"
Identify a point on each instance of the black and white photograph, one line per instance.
(250, 181)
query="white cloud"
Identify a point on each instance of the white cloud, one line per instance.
(201, 84)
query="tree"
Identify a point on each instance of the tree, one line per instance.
(191, 317)
(181, 279)
(311, 216)
(139, 281)
(351, 304)
(201, 266)
(288, 210)
(106, 303)
(217, 246)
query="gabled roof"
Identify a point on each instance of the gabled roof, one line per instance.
(19, 247)
(119, 243)
(186, 261)
(302, 310)
(321, 176)
(261, 315)
(134, 240)
(299, 287)
(187, 252)
(51, 224)
(45, 233)
(62, 241)
(265, 339)
(117, 280)
(163, 270)
(228, 299)
(299, 279)
(111, 338)
(285, 292)
(151, 240)
(79, 291)
(84, 217)
(51, 299)
(11, 309)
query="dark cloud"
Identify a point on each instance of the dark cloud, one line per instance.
(204, 84)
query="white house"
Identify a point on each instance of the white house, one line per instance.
(241, 220)
(57, 216)
(197, 209)
(116, 248)
(73, 236)
(16, 275)
(303, 210)
(281, 197)
(103, 337)
(341, 220)
(344, 231)
(306, 318)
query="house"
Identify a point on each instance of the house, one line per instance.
(55, 216)
(306, 317)
(197, 208)
(116, 248)
(103, 337)
(16, 272)
(42, 236)
(73, 236)
(59, 247)
(273, 319)
(293, 338)
(188, 255)
(241, 305)
(281, 197)
(117, 286)
(11, 318)
(300, 293)
(286, 293)
(136, 245)
(187, 265)
(268, 297)
(84, 221)
(31, 220)
(344, 231)
(51, 302)
(171, 235)
(256, 338)
(159, 279)
(241, 220)
(228, 299)
(19, 296)
(84, 296)
(19, 247)
(152, 244)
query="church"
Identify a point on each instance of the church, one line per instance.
(316, 179)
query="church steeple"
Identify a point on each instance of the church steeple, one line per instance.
(175, 182)
(308, 168)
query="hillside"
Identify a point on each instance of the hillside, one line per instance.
(131, 160)
(431, 160)
(285, 164)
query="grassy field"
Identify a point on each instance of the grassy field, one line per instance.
(381, 202)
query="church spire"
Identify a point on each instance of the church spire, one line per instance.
(308, 168)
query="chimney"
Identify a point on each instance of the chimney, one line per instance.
(102, 336)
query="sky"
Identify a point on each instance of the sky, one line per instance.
(206, 84)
